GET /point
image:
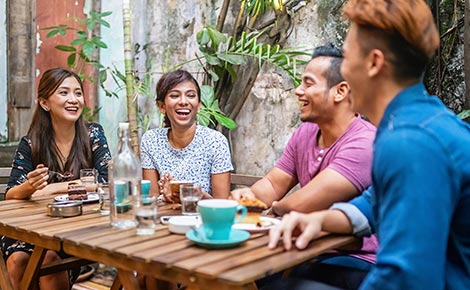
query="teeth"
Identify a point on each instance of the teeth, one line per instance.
(183, 111)
(72, 109)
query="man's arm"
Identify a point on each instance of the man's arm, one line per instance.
(270, 188)
(320, 193)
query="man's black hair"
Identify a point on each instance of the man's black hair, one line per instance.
(333, 73)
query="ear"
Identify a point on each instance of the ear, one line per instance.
(161, 107)
(341, 91)
(375, 62)
(199, 106)
(43, 104)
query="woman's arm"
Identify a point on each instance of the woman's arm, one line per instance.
(220, 185)
(153, 176)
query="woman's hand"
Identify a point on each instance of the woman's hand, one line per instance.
(165, 189)
(37, 178)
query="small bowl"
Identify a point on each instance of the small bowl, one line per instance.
(181, 224)
(64, 209)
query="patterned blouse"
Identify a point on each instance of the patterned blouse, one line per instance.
(22, 162)
(207, 154)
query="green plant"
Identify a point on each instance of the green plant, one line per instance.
(82, 50)
(210, 109)
(464, 114)
(222, 53)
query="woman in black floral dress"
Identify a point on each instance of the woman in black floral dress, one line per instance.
(58, 140)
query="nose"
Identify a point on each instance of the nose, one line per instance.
(72, 98)
(299, 91)
(183, 100)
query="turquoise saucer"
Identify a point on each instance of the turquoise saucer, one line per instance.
(236, 237)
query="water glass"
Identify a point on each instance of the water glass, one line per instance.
(146, 210)
(189, 197)
(88, 176)
(104, 198)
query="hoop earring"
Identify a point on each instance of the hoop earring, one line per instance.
(45, 109)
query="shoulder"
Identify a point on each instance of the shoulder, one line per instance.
(209, 133)
(157, 133)
(362, 125)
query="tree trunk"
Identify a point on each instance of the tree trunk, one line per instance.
(129, 67)
(467, 55)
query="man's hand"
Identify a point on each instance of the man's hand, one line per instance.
(306, 226)
(242, 192)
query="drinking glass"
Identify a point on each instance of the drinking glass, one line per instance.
(104, 198)
(189, 197)
(146, 215)
(88, 176)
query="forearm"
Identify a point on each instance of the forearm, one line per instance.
(335, 221)
(264, 191)
(22, 191)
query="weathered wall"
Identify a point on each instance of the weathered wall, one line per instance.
(271, 112)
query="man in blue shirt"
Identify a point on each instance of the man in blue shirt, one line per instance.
(419, 201)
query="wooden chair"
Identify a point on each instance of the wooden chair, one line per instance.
(4, 175)
(243, 179)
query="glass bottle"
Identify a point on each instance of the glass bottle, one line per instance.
(125, 182)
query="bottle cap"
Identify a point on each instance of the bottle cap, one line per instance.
(123, 126)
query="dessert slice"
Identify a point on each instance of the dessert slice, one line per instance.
(77, 192)
(254, 209)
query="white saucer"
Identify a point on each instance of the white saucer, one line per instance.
(266, 224)
(92, 197)
(181, 224)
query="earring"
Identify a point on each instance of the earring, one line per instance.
(46, 109)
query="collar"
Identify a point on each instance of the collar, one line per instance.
(403, 99)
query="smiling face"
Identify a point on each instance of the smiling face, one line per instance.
(313, 93)
(181, 105)
(66, 102)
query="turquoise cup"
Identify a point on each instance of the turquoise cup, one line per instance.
(145, 188)
(218, 216)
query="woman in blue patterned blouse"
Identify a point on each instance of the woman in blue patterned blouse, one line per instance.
(184, 150)
(58, 140)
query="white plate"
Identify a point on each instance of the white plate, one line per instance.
(92, 197)
(266, 224)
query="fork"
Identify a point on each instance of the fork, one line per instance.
(65, 175)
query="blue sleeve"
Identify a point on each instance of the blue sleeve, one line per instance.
(359, 212)
(413, 190)
(100, 150)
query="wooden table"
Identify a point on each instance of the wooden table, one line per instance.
(163, 255)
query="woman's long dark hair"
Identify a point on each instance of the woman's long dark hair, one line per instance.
(44, 150)
(170, 80)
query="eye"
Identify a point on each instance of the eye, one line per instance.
(192, 96)
(173, 96)
(79, 93)
(63, 93)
